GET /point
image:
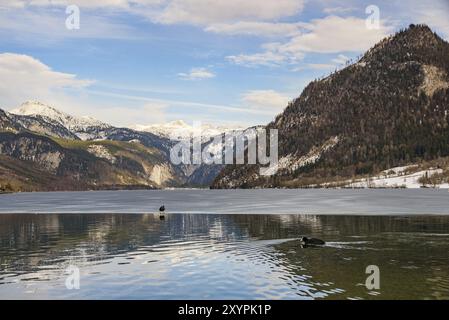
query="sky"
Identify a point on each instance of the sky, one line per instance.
(225, 62)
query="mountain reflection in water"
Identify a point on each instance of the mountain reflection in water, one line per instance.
(188, 256)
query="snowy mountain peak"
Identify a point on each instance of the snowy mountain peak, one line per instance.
(184, 130)
(179, 123)
(88, 128)
(36, 108)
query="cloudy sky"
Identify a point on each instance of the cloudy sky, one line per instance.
(216, 61)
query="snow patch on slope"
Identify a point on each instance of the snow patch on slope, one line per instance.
(434, 80)
(101, 152)
(291, 162)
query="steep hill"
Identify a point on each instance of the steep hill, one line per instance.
(391, 108)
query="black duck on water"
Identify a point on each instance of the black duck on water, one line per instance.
(305, 241)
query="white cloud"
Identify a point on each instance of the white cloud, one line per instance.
(269, 59)
(206, 12)
(49, 25)
(197, 12)
(315, 66)
(265, 99)
(11, 4)
(23, 77)
(334, 34)
(338, 10)
(331, 34)
(81, 3)
(321, 66)
(435, 15)
(196, 74)
(341, 59)
(230, 16)
(251, 28)
(150, 112)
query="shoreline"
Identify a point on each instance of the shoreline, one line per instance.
(224, 189)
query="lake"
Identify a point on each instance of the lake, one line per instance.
(213, 250)
(274, 201)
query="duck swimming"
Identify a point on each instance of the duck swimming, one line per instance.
(162, 212)
(311, 241)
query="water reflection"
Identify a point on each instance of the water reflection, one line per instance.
(222, 256)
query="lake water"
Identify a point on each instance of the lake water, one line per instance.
(218, 255)
(312, 201)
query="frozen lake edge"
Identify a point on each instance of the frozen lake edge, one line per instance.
(261, 201)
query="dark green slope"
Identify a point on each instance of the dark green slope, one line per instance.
(390, 108)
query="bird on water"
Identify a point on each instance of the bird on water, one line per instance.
(311, 241)
(162, 212)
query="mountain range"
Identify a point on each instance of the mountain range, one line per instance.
(384, 117)
(42, 148)
(181, 130)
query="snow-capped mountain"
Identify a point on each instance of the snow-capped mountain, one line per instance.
(86, 128)
(179, 129)
(37, 114)
(37, 117)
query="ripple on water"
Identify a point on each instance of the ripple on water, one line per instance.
(213, 256)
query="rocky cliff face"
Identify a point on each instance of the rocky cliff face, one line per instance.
(7, 124)
(28, 147)
(390, 108)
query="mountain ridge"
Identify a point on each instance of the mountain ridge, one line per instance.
(93, 139)
(179, 129)
(388, 109)
(79, 126)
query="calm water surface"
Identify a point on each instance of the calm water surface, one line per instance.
(222, 256)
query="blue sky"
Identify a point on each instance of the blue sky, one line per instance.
(151, 61)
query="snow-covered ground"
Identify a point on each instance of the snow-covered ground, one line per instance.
(397, 178)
